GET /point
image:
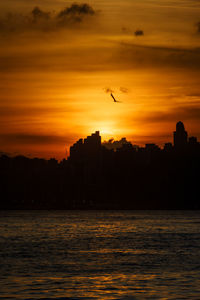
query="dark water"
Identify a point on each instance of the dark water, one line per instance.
(99, 255)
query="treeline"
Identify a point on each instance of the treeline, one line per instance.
(124, 179)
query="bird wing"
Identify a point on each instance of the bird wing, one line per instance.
(113, 97)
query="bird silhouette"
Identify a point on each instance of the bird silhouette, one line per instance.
(114, 98)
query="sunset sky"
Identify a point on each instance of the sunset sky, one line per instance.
(58, 61)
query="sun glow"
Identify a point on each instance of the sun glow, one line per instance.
(106, 129)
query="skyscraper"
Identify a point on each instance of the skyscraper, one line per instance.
(180, 136)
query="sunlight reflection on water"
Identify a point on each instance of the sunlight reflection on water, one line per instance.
(99, 255)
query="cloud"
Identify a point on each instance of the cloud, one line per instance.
(124, 29)
(23, 138)
(52, 56)
(123, 90)
(108, 90)
(83, 57)
(139, 32)
(38, 14)
(194, 95)
(16, 111)
(184, 113)
(39, 19)
(133, 55)
(198, 27)
(76, 10)
(112, 144)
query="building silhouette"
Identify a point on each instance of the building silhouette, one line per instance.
(151, 147)
(168, 147)
(192, 141)
(76, 150)
(180, 136)
(86, 149)
(92, 144)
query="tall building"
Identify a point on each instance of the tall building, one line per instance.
(180, 136)
(92, 144)
(76, 150)
(86, 149)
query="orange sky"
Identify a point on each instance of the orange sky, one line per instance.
(57, 62)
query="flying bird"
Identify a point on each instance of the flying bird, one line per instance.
(114, 98)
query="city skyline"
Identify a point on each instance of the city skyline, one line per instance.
(106, 176)
(92, 144)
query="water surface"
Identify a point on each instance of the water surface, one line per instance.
(99, 255)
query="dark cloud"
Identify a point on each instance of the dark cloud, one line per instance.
(39, 19)
(184, 113)
(133, 55)
(24, 139)
(75, 13)
(198, 27)
(76, 10)
(38, 14)
(123, 56)
(15, 111)
(194, 95)
(64, 58)
(124, 29)
(139, 32)
(112, 144)
(108, 90)
(123, 90)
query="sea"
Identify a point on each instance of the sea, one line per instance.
(99, 255)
